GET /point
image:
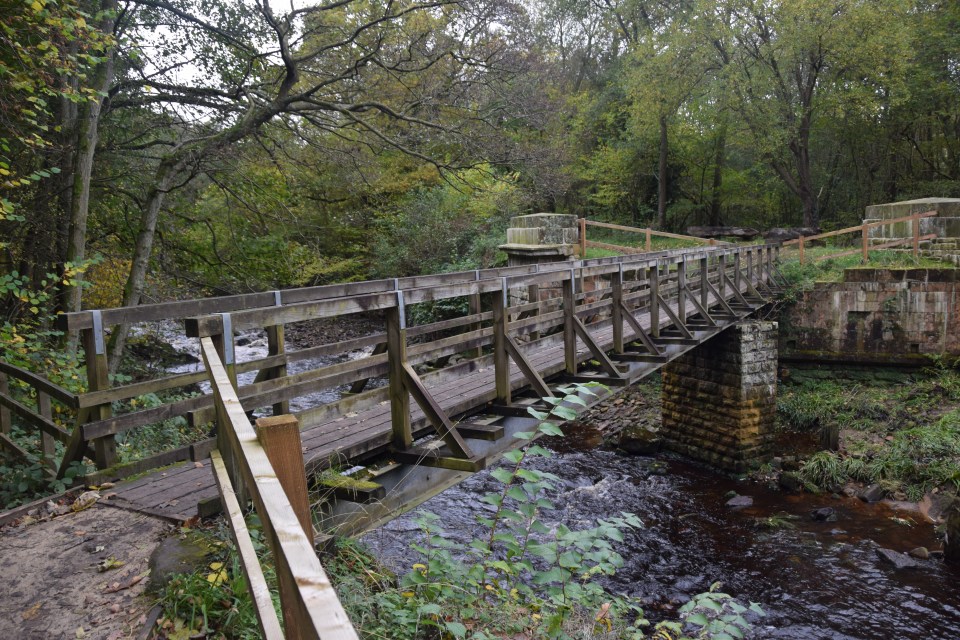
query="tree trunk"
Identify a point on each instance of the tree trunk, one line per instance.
(133, 289)
(719, 154)
(88, 123)
(662, 176)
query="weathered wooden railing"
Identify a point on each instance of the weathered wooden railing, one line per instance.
(648, 234)
(803, 242)
(648, 282)
(269, 470)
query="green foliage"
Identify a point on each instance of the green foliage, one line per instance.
(214, 599)
(22, 482)
(454, 226)
(713, 615)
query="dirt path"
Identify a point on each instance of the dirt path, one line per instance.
(51, 584)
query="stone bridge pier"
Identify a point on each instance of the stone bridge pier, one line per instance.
(720, 399)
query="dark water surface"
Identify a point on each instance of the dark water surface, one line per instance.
(820, 580)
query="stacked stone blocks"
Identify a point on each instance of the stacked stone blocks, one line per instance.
(719, 400)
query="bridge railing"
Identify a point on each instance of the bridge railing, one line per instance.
(803, 243)
(447, 345)
(243, 468)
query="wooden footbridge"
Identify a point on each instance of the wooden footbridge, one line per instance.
(517, 333)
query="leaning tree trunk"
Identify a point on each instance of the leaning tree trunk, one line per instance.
(88, 122)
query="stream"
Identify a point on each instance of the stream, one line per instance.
(818, 580)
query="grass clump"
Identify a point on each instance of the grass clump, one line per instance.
(905, 436)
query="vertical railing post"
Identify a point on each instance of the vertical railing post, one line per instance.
(653, 278)
(722, 272)
(280, 438)
(276, 346)
(501, 361)
(396, 322)
(648, 243)
(224, 345)
(865, 244)
(475, 308)
(681, 291)
(736, 271)
(5, 422)
(704, 288)
(569, 288)
(98, 379)
(47, 443)
(616, 315)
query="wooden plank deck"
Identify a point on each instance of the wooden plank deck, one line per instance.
(176, 491)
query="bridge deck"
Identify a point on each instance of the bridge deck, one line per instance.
(176, 492)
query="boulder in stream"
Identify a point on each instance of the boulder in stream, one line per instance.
(640, 441)
(898, 560)
(951, 543)
(740, 501)
(873, 493)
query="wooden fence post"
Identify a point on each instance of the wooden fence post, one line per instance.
(722, 271)
(223, 343)
(583, 238)
(616, 313)
(736, 271)
(801, 248)
(280, 438)
(865, 244)
(915, 223)
(98, 379)
(396, 358)
(501, 361)
(569, 332)
(648, 243)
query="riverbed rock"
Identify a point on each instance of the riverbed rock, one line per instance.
(790, 482)
(898, 560)
(640, 441)
(873, 493)
(920, 553)
(824, 514)
(740, 502)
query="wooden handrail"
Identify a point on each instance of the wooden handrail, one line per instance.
(864, 230)
(859, 228)
(646, 231)
(310, 597)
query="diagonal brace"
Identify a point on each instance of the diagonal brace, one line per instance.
(674, 318)
(605, 362)
(651, 346)
(528, 370)
(435, 413)
(696, 302)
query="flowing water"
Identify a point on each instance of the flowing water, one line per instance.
(819, 580)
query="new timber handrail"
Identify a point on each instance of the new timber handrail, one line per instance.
(243, 468)
(864, 231)
(648, 233)
(96, 414)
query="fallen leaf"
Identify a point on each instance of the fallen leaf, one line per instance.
(81, 633)
(108, 564)
(86, 500)
(32, 612)
(198, 465)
